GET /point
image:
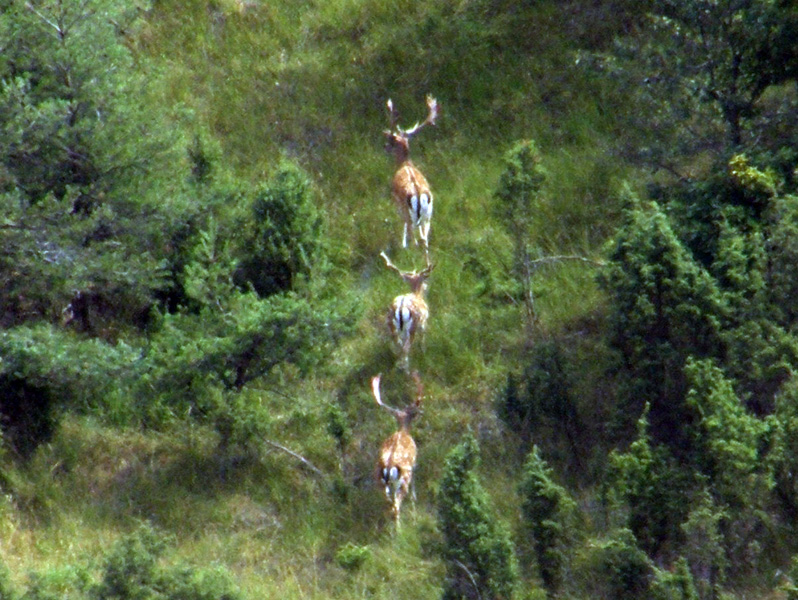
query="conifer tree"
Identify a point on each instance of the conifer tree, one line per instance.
(479, 552)
(676, 584)
(725, 437)
(545, 506)
(89, 173)
(694, 74)
(664, 307)
(653, 487)
(518, 203)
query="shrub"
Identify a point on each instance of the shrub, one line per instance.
(664, 307)
(133, 571)
(674, 584)
(351, 556)
(541, 398)
(545, 506)
(479, 551)
(653, 487)
(623, 570)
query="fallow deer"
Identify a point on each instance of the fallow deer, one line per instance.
(398, 453)
(409, 187)
(409, 312)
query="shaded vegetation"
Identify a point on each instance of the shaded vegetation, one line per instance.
(192, 301)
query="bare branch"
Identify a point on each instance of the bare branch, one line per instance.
(470, 576)
(548, 259)
(393, 116)
(299, 457)
(56, 26)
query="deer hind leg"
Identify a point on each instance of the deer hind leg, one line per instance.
(401, 492)
(422, 216)
(405, 352)
(394, 484)
(402, 325)
(390, 478)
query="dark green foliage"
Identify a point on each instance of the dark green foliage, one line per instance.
(791, 588)
(541, 399)
(7, 591)
(256, 296)
(287, 238)
(726, 439)
(705, 547)
(351, 556)
(83, 161)
(545, 506)
(622, 570)
(519, 189)
(46, 371)
(783, 454)
(133, 571)
(653, 487)
(664, 307)
(479, 551)
(674, 584)
(64, 583)
(782, 249)
(760, 354)
(518, 204)
(695, 73)
(198, 364)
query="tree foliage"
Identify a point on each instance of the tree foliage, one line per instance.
(479, 551)
(83, 169)
(546, 507)
(697, 73)
(665, 306)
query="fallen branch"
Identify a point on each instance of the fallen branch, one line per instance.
(470, 576)
(299, 457)
(545, 259)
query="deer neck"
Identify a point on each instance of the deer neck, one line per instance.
(401, 154)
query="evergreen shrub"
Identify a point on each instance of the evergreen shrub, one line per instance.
(546, 506)
(479, 552)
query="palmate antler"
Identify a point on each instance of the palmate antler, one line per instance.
(432, 105)
(393, 118)
(409, 275)
(375, 389)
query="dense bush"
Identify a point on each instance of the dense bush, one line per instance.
(479, 551)
(546, 507)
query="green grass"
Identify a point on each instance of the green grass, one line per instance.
(309, 80)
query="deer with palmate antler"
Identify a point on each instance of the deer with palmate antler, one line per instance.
(409, 187)
(398, 453)
(409, 312)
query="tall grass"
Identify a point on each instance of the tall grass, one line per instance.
(309, 80)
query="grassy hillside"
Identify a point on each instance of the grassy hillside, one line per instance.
(293, 511)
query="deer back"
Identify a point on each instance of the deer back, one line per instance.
(408, 183)
(398, 450)
(408, 314)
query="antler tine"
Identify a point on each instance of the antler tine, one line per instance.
(432, 105)
(390, 265)
(393, 116)
(430, 265)
(375, 389)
